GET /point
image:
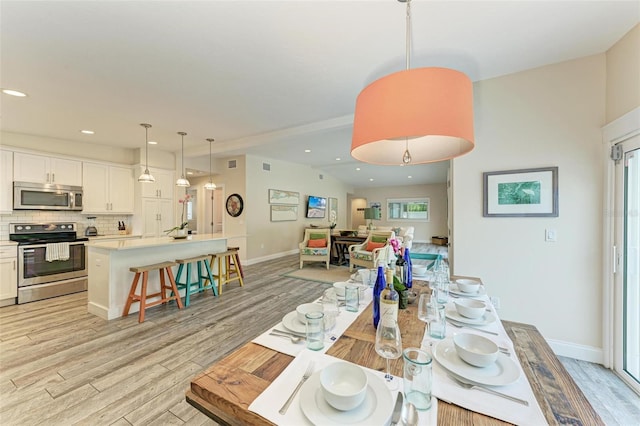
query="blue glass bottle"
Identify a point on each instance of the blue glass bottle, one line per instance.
(408, 279)
(377, 289)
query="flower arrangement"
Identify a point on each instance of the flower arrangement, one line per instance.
(183, 224)
(332, 219)
(395, 244)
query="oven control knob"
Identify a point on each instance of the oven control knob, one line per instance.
(27, 227)
(19, 228)
(63, 227)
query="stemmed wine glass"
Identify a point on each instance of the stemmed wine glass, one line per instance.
(389, 345)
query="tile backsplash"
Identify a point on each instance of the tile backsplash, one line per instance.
(106, 224)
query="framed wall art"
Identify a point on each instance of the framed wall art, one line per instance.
(521, 193)
(234, 205)
(282, 213)
(278, 196)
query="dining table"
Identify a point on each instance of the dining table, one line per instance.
(226, 389)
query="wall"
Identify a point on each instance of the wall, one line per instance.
(623, 75)
(69, 148)
(549, 116)
(437, 194)
(106, 224)
(268, 239)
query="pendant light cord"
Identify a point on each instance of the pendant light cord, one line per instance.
(406, 156)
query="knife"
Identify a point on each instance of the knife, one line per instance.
(397, 410)
(288, 333)
(464, 324)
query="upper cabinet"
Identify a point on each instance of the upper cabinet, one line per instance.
(6, 182)
(161, 188)
(107, 189)
(42, 169)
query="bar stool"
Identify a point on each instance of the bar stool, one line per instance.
(202, 285)
(239, 266)
(164, 267)
(228, 269)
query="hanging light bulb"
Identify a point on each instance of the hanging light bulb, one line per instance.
(210, 185)
(146, 177)
(182, 181)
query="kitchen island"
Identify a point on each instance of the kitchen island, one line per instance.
(109, 263)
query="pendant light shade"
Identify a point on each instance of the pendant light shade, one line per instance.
(146, 177)
(182, 181)
(414, 116)
(210, 185)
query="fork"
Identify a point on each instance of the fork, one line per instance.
(458, 325)
(488, 390)
(305, 376)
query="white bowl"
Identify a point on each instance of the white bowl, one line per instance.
(470, 308)
(344, 385)
(418, 269)
(305, 308)
(475, 350)
(468, 286)
(339, 286)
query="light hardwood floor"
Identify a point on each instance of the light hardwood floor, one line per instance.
(60, 365)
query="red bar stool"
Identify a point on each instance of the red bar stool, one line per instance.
(162, 268)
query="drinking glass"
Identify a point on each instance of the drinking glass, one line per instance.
(418, 378)
(315, 330)
(437, 321)
(330, 308)
(442, 291)
(351, 298)
(423, 305)
(389, 346)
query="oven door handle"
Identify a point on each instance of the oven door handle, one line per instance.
(29, 248)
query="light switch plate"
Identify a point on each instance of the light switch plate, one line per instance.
(550, 235)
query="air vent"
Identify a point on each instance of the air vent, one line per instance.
(232, 164)
(266, 167)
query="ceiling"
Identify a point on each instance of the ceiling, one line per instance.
(268, 78)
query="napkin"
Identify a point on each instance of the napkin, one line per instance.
(479, 401)
(285, 346)
(269, 402)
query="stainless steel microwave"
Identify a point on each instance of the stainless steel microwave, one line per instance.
(42, 196)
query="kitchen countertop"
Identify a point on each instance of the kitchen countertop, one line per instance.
(8, 243)
(113, 236)
(129, 244)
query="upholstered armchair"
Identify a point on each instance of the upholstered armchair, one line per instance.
(368, 253)
(316, 246)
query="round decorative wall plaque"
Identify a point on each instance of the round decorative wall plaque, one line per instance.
(234, 205)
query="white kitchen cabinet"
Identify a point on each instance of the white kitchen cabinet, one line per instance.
(6, 182)
(8, 275)
(42, 169)
(107, 189)
(157, 217)
(161, 188)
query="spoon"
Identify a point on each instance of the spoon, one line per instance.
(294, 339)
(409, 415)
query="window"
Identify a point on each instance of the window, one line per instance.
(408, 209)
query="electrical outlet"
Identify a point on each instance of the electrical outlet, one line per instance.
(495, 301)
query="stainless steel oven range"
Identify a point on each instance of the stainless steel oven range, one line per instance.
(42, 275)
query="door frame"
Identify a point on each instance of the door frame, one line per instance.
(615, 132)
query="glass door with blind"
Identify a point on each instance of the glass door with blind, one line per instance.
(627, 273)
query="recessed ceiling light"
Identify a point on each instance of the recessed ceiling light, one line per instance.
(370, 179)
(307, 150)
(338, 158)
(152, 143)
(410, 177)
(87, 132)
(189, 173)
(358, 168)
(14, 93)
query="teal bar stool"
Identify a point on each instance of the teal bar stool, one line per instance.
(203, 279)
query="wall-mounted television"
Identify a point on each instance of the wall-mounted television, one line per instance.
(316, 207)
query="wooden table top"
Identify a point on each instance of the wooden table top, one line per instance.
(227, 388)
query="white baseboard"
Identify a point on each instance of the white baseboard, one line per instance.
(272, 256)
(576, 351)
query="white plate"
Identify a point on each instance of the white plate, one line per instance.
(487, 318)
(290, 322)
(453, 289)
(503, 372)
(375, 410)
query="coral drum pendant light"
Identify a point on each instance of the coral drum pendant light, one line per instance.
(415, 116)
(210, 185)
(146, 177)
(182, 181)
